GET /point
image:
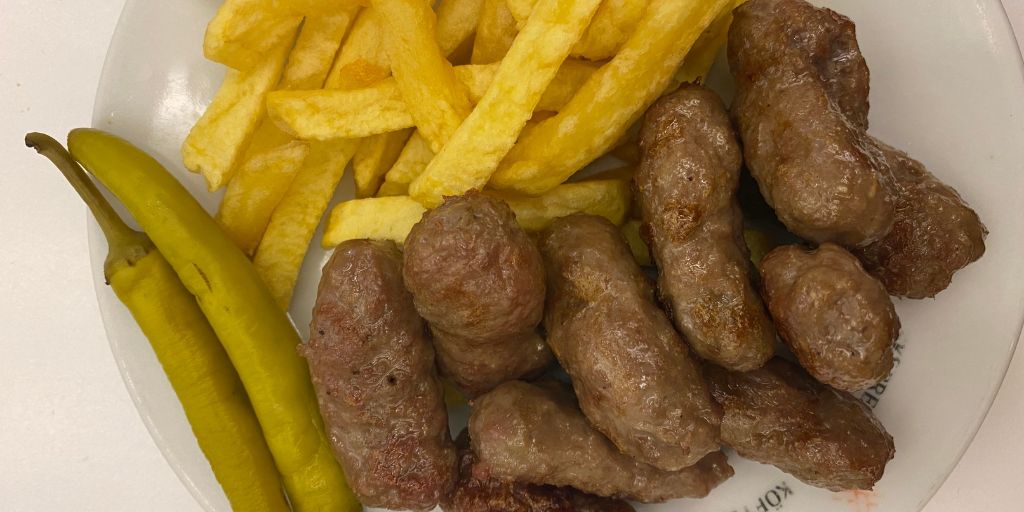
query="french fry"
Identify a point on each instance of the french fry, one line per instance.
(374, 157)
(216, 142)
(381, 108)
(294, 221)
(391, 218)
(436, 100)
(612, 100)
(256, 190)
(315, 49)
(363, 60)
(271, 160)
(414, 158)
(570, 77)
(456, 23)
(476, 149)
(613, 23)
(377, 218)
(327, 115)
(610, 199)
(631, 232)
(244, 33)
(702, 56)
(494, 33)
(313, 7)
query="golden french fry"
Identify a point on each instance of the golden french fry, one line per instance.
(251, 196)
(610, 199)
(436, 100)
(613, 99)
(244, 33)
(702, 56)
(641, 253)
(362, 61)
(376, 218)
(391, 218)
(613, 23)
(374, 157)
(476, 149)
(294, 221)
(217, 140)
(413, 159)
(456, 23)
(315, 49)
(381, 108)
(494, 33)
(570, 77)
(326, 115)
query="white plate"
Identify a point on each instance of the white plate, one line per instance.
(946, 86)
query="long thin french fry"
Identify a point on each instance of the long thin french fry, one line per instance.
(363, 60)
(381, 108)
(244, 33)
(215, 144)
(702, 56)
(256, 190)
(291, 228)
(612, 25)
(473, 153)
(611, 100)
(494, 33)
(456, 23)
(437, 101)
(272, 159)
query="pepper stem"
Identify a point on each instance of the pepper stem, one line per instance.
(126, 245)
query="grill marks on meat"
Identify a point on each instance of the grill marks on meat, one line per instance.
(802, 108)
(686, 185)
(779, 415)
(836, 318)
(478, 279)
(373, 370)
(537, 434)
(634, 377)
(478, 491)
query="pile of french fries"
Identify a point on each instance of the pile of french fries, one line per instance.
(423, 101)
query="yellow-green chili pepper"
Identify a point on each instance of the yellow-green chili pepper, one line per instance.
(196, 365)
(257, 335)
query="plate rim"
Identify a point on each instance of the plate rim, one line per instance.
(96, 244)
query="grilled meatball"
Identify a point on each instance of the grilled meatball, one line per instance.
(802, 111)
(779, 415)
(801, 108)
(536, 433)
(836, 318)
(635, 380)
(686, 186)
(478, 280)
(935, 234)
(373, 370)
(478, 491)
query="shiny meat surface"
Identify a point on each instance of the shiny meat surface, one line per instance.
(536, 433)
(479, 281)
(478, 491)
(373, 370)
(935, 234)
(686, 187)
(634, 377)
(836, 318)
(780, 415)
(801, 109)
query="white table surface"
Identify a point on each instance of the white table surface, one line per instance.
(70, 438)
